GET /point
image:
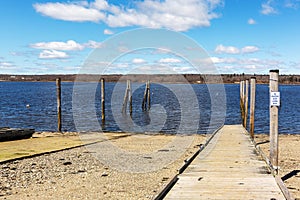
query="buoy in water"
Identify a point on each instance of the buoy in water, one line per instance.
(27, 106)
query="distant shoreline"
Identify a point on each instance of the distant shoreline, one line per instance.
(159, 78)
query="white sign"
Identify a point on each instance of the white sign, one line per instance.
(275, 99)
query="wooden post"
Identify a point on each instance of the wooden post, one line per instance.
(102, 99)
(125, 101)
(246, 103)
(148, 88)
(242, 100)
(274, 77)
(241, 103)
(58, 92)
(130, 97)
(252, 105)
(126, 97)
(243, 91)
(146, 98)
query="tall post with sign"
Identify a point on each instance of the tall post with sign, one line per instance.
(274, 104)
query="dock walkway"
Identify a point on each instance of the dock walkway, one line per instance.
(227, 168)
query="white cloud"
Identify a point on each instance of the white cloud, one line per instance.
(93, 44)
(228, 67)
(169, 60)
(138, 61)
(108, 32)
(217, 60)
(179, 15)
(123, 49)
(162, 14)
(5, 65)
(9, 68)
(249, 49)
(70, 45)
(246, 62)
(246, 65)
(161, 51)
(221, 49)
(184, 70)
(250, 67)
(70, 11)
(61, 46)
(294, 4)
(100, 4)
(267, 8)
(251, 21)
(15, 53)
(53, 54)
(227, 49)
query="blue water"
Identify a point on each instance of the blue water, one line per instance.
(168, 109)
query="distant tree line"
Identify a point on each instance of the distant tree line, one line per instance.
(160, 78)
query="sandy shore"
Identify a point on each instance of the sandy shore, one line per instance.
(289, 160)
(79, 173)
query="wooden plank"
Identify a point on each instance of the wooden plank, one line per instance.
(229, 168)
(284, 189)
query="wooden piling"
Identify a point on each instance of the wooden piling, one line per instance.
(102, 99)
(146, 98)
(252, 104)
(58, 93)
(126, 98)
(130, 97)
(242, 107)
(246, 103)
(274, 77)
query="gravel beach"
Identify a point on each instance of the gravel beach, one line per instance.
(77, 174)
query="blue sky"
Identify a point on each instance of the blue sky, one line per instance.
(239, 36)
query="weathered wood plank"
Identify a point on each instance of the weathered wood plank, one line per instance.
(229, 168)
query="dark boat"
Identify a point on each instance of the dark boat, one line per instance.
(7, 134)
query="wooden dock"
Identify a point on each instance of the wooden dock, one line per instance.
(228, 168)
